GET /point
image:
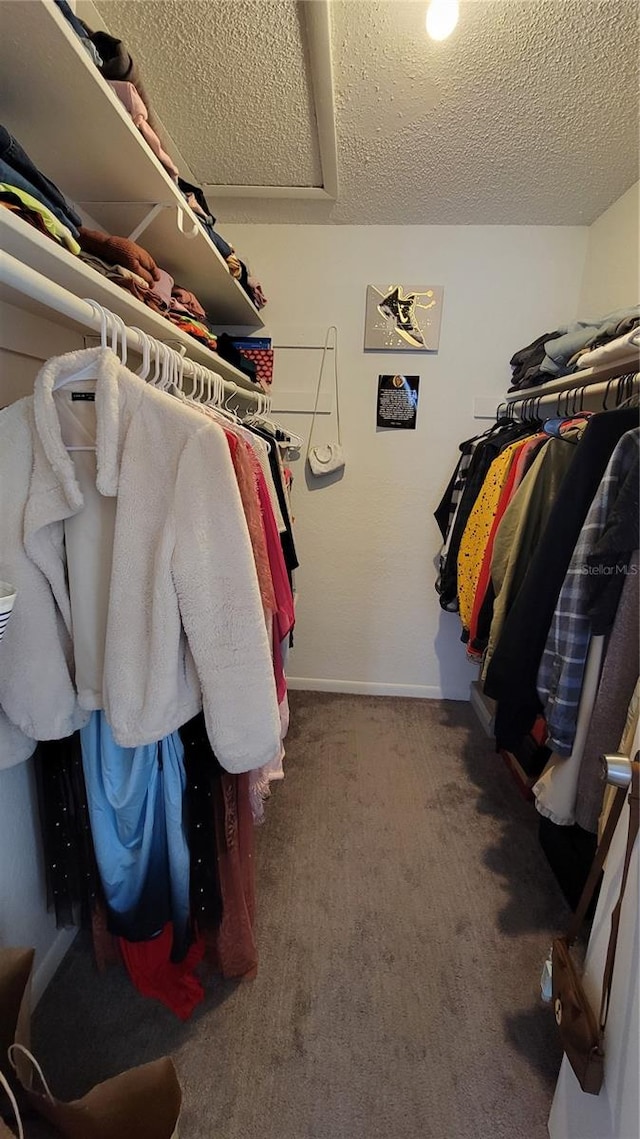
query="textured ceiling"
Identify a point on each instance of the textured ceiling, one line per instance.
(229, 81)
(526, 115)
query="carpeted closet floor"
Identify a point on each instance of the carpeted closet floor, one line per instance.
(405, 909)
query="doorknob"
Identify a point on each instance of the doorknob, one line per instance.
(616, 769)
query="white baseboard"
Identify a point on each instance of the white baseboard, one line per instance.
(51, 961)
(366, 688)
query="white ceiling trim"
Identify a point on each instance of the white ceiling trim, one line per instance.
(317, 24)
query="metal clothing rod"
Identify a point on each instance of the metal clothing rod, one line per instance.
(570, 398)
(16, 275)
(584, 377)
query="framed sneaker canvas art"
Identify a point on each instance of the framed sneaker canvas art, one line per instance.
(403, 319)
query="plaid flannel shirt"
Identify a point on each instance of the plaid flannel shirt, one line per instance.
(562, 666)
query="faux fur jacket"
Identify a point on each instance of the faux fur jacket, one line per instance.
(183, 621)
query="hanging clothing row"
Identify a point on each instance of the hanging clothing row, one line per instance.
(540, 559)
(149, 538)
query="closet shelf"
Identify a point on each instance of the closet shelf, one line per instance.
(56, 103)
(56, 266)
(584, 377)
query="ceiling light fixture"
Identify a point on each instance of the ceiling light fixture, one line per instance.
(442, 17)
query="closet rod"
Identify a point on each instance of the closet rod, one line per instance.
(576, 391)
(23, 279)
(581, 377)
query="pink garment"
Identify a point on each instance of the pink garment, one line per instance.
(161, 289)
(184, 301)
(259, 298)
(131, 101)
(284, 616)
(244, 473)
(192, 201)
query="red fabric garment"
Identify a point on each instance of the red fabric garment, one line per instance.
(232, 950)
(198, 331)
(154, 975)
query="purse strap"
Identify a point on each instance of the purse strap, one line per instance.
(331, 328)
(4, 1083)
(596, 866)
(32, 1060)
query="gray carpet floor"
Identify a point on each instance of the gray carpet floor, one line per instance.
(405, 909)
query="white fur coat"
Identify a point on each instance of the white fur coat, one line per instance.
(184, 621)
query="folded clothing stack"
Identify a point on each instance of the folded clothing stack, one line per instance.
(120, 251)
(27, 189)
(131, 99)
(559, 353)
(134, 269)
(623, 347)
(195, 198)
(117, 66)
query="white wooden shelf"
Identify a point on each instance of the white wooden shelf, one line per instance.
(21, 241)
(56, 103)
(582, 377)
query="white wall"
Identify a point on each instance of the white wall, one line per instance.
(612, 274)
(23, 904)
(25, 342)
(368, 615)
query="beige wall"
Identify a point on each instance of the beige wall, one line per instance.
(368, 615)
(611, 277)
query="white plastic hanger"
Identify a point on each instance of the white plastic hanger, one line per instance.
(145, 344)
(121, 328)
(88, 372)
(206, 378)
(204, 384)
(195, 395)
(164, 376)
(263, 414)
(174, 374)
(224, 408)
(156, 378)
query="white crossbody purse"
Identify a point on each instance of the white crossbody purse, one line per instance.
(328, 458)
